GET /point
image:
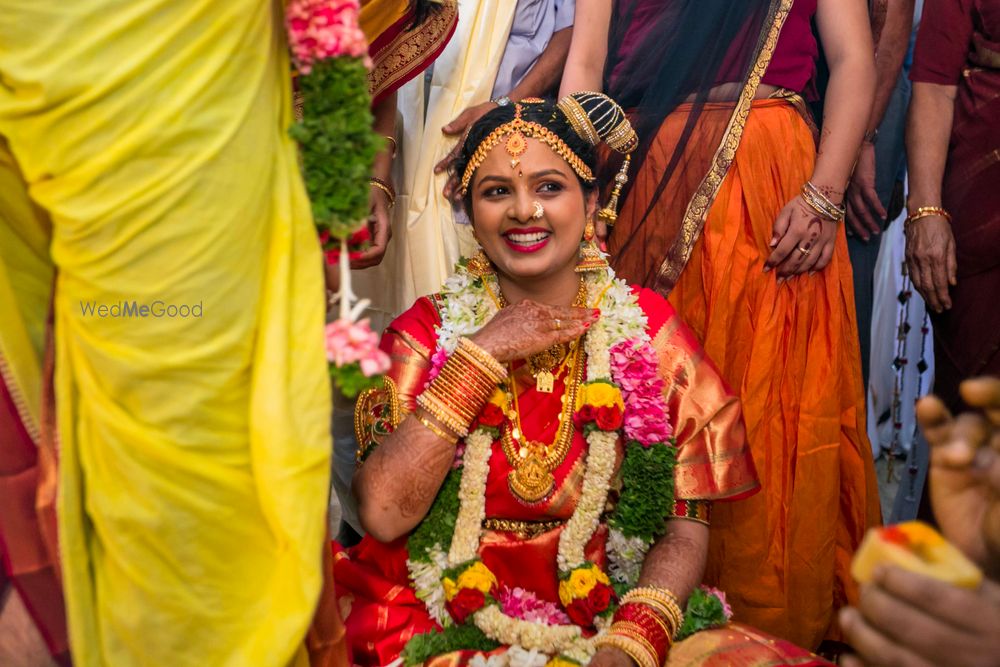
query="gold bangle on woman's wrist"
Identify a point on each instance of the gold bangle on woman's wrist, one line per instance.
(385, 187)
(391, 140)
(462, 387)
(822, 204)
(926, 212)
(427, 421)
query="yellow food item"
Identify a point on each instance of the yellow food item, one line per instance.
(918, 548)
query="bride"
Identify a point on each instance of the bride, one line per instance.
(537, 471)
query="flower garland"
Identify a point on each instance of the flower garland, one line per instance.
(337, 146)
(622, 393)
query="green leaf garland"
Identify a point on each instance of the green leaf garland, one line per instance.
(338, 144)
(439, 524)
(647, 496)
(467, 637)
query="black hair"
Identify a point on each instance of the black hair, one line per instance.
(544, 113)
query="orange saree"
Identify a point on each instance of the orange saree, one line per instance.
(790, 350)
(519, 541)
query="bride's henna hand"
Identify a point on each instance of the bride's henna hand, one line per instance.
(526, 328)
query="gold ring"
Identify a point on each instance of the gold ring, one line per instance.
(539, 211)
(558, 324)
(804, 251)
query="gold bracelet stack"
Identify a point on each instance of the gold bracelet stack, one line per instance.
(442, 433)
(385, 187)
(820, 203)
(661, 600)
(466, 381)
(644, 657)
(926, 212)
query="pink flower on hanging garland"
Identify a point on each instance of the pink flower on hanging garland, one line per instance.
(321, 29)
(634, 368)
(356, 360)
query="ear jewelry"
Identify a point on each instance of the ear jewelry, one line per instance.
(539, 211)
(479, 264)
(591, 257)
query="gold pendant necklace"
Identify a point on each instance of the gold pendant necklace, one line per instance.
(542, 364)
(533, 462)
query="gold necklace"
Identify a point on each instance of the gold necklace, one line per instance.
(542, 363)
(533, 461)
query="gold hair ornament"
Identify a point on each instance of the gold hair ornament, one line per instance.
(517, 132)
(596, 117)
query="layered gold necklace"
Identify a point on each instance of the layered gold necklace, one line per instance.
(541, 364)
(534, 461)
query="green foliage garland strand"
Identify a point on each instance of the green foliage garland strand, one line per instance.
(338, 145)
(647, 496)
(439, 524)
(438, 642)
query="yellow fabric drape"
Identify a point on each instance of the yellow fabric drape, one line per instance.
(194, 450)
(426, 242)
(377, 16)
(25, 291)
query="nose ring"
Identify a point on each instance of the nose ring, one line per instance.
(539, 211)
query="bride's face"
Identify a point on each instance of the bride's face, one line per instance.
(521, 243)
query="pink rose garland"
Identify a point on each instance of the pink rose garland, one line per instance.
(355, 342)
(322, 29)
(635, 370)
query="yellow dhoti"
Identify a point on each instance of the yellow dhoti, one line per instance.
(191, 387)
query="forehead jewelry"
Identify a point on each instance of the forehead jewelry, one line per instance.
(539, 211)
(515, 134)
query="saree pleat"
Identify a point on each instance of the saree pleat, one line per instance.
(194, 449)
(791, 351)
(27, 495)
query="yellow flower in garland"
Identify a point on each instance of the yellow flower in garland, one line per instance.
(477, 576)
(600, 395)
(560, 661)
(580, 582)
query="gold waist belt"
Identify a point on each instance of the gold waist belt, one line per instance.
(525, 530)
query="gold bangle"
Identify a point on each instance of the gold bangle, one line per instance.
(443, 413)
(822, 204)
(447, 437)
(395, 146)
(926, 212)
(385, 187)
(629, 646)
(636, 633)
(489, 363)
(659, 599)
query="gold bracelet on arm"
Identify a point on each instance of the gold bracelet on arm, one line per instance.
(926, 212)
(385, 187)
(427, 421)
(463, 386)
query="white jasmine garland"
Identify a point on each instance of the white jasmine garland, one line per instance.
(426, 578)
(466, 308)
(594, 496)
(471, 497)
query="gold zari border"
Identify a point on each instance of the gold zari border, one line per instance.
(697, 210)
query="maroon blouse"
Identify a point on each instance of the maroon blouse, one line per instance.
(950, 31)
(792, 64)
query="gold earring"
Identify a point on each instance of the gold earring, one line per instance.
(591, 257)
(479, 264)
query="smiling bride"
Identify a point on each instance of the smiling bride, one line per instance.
(537, 472)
